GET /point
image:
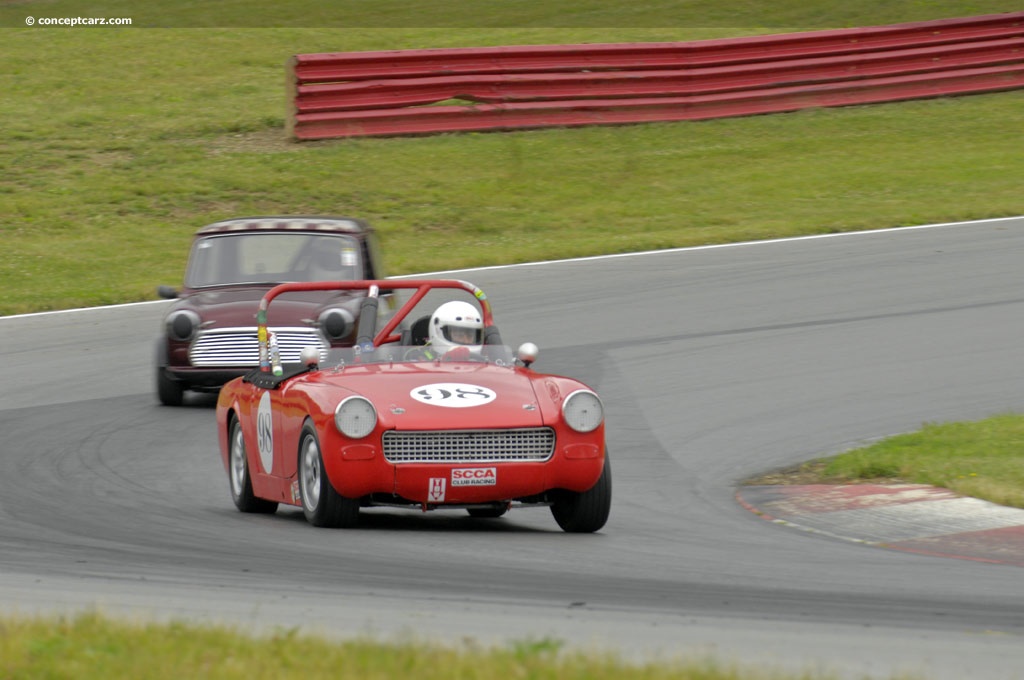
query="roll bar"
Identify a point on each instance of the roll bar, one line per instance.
(373, 288)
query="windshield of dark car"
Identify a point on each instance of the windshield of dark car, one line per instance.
(272, 257)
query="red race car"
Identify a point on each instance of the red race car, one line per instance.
(429, 411)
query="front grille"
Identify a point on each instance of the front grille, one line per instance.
(469, 446)
(239, 346)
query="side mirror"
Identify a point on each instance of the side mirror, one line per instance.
(166, 292)
(527, 353)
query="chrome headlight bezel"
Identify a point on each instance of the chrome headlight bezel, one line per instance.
(583, 411)
(355, 417)
(182, 325)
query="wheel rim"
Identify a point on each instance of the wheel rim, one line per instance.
(237, 462)
(311, 474)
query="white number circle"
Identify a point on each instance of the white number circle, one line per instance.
(265, 433)
(453, 395)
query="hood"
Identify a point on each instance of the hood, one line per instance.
(237, 306)
(430, 396)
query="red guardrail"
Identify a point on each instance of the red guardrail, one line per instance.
(399, 92)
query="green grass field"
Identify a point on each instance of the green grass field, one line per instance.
(92, 646)
(120, 142)
(773, 15)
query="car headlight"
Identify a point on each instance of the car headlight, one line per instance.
(583, 411)
(182, 325)
(355, 417)
(336, 323)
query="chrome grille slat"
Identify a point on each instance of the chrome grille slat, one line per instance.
(469, 446)
(239, 346)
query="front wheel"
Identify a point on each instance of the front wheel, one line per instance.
(238, 475)
(170, 392)
(586, 511)
(321, 504)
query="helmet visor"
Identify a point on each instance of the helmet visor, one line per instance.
(462, 335)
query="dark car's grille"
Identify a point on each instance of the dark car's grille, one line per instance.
(239, 346)
(469, 446)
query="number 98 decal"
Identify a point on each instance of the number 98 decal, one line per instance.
(453, 395)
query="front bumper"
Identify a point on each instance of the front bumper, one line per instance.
(203, 379)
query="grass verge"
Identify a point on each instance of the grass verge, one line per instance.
(979, 458)
(92, 646)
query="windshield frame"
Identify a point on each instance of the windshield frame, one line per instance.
(338, 358)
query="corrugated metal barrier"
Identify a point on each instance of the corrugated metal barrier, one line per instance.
(410, 92)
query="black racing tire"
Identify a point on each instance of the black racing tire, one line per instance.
(238, 475)
(169, 391)
(587, 511)
(322, 505)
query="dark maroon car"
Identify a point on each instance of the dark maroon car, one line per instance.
(209, 333)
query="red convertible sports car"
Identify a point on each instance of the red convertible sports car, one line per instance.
(429, 411)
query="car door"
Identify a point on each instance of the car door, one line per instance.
(265, 455)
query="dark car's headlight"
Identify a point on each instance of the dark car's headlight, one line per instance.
(583, 411)
(355, 417)
(336, 323)
(182, 325)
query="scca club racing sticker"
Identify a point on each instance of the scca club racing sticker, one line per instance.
(475, 476)
(453, 395)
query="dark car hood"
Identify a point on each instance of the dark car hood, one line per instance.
(237, 306)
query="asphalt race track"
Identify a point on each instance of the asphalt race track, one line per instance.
(714, 364)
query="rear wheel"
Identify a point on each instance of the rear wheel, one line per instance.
(586, 511)
(238, 474)
(321, 504)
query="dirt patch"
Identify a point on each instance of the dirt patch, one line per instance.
(804, 473)
(272, 140)
(812, 472)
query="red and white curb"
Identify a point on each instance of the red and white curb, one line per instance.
(910, 517)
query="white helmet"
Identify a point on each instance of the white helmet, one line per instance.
(456, 324)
